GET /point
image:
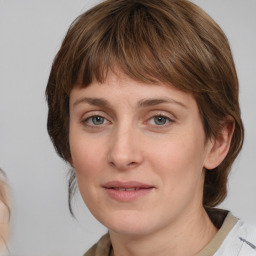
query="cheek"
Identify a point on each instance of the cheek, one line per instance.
(86, 158)
(86, 161)
(178, 160)
(179, 167)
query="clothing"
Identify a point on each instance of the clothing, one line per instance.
(234, 238)
(101, 248)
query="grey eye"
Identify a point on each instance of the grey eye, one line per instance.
(97, 120)
(160, 120)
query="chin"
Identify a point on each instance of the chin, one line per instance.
(130, 224)
(130, 230)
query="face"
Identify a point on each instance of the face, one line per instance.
(139, 151)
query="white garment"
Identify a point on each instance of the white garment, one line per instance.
(241, 241)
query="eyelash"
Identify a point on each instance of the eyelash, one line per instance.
(167, 120)
(89, 121)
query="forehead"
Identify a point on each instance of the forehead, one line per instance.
(118, 87)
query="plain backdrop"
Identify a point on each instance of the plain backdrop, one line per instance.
(30, 34)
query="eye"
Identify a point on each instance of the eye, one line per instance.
(95, 120)
(159, 120)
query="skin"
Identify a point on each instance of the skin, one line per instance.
(126, 130)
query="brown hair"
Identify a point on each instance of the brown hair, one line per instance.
(171, 41)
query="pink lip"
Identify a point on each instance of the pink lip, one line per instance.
(127, 191)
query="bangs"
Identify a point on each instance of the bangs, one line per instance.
(131, 40)
(147, 44)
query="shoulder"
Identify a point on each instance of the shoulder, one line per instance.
(101, 248)
(240, 241)
(247, 234)
(91, 251)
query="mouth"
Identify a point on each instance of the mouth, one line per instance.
(127, 191)
(124, 189)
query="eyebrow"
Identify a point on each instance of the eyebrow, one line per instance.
(153, 102)
(92, 101)
(142, 103)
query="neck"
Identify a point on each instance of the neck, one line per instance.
(185, 237)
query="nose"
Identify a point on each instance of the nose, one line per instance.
(125, 149)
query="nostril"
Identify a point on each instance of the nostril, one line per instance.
(132, 163)
(122, 165)
(112, 163)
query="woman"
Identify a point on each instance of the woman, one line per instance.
(143, 104)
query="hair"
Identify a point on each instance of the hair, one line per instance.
(169, 41)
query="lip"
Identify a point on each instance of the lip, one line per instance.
(127, 191)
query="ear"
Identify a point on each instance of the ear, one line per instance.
(220, 145)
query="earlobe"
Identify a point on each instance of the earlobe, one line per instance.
(220, 145)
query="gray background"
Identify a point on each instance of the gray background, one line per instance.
(30, 34)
